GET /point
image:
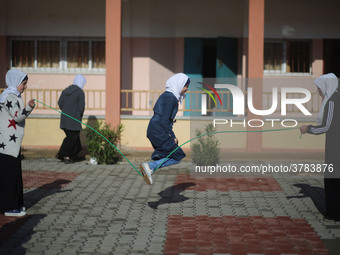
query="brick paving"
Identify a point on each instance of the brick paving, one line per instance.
(241, 235)
(225, 184)
(46, 180)
(86, 209)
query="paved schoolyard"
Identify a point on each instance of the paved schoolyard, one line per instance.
(87, 209)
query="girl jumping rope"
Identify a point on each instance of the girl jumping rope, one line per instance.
(160, 131)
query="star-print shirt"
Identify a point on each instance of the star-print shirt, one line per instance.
(12, 123)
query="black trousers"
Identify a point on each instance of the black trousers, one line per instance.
(11, 186)
(332, 193)
(71, 145)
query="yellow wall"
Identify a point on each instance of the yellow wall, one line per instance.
(42, 133)
(134, 134)
(46, 133)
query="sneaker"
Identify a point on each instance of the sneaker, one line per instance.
(15, 213)
(146, 171)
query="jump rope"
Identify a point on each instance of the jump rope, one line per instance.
(165, 159)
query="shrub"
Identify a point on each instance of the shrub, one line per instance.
(98, 147)
(206, 151)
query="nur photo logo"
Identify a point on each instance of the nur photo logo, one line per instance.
(240, 99)
(204, 97)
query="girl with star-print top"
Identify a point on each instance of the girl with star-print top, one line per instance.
(13, 113)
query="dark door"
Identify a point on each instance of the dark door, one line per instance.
(226, 69)
(212, 61)
(193, 59)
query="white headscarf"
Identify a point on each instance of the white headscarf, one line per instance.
(175, 84)
(13, 80)
(79, 81)
(328, 83)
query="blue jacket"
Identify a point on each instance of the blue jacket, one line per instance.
(160, 131)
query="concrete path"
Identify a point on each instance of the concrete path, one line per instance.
(87, 209)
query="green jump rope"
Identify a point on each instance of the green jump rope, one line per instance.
(218, 132)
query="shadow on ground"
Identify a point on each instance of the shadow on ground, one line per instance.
(172, 195)
(34, 196)
(316, 194)
(17, 232)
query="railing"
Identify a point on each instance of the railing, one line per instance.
(141, 102)
(94, 99)
(134, 101)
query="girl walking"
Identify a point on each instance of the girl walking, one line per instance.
(72, 103)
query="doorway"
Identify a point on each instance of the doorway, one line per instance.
(211, 61)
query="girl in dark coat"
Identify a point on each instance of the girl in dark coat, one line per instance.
(329, 123)
(71, 102)
(160, 131)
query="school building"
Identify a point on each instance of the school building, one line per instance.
(127, 49)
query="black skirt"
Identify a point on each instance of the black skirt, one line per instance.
(71, 145)
(332, 192)
(332, 180)
(11, 186)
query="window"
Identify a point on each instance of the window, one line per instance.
(98, 54)
(23, 53)
(287, 57)
(58, 54)
(78, 54)
(273, 56)
(298, 57)
(48, 54)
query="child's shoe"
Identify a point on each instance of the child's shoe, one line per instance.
(16, 213)
(146, 171)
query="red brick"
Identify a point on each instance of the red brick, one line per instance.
(46, 179)
(242, 236)
(231, 183)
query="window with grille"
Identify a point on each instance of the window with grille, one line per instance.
(78, 54)
(48, 54)
(61, 54)
(298, 56)
(273, 56)
(287, 57)
(23, 53)
(98, 54)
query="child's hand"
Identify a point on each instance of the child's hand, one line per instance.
(303, 129)
(176, 141)
(31, 103)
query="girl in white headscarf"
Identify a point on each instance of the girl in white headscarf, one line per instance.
(160, 132)
(13, 113)
(329, 123)
(72, 103)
